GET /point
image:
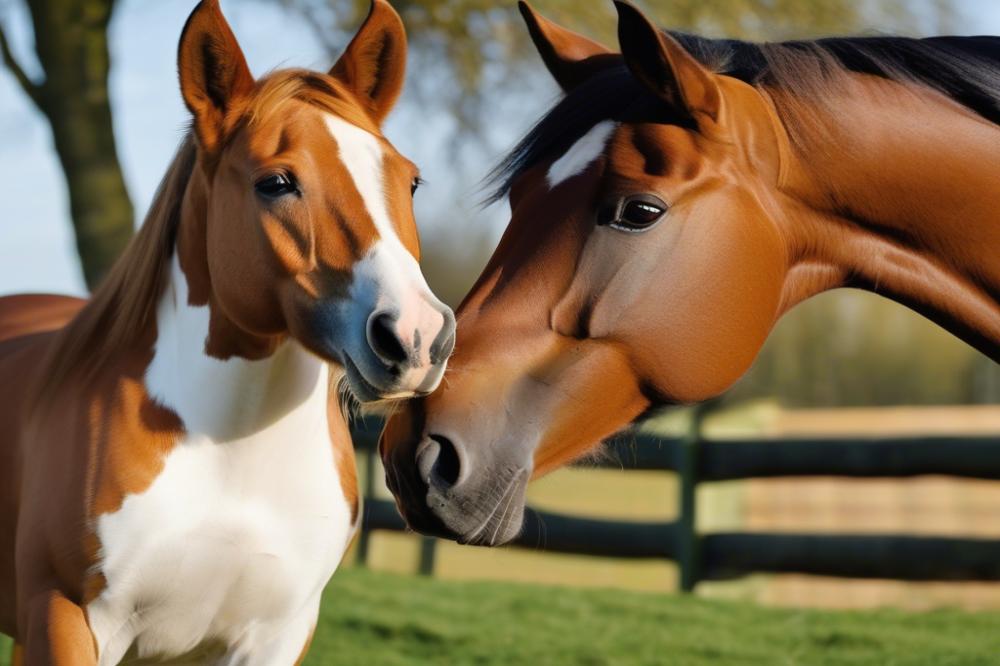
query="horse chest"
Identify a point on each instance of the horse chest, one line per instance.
(229, 544)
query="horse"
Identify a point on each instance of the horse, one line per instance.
(177, 481)
(683, 195)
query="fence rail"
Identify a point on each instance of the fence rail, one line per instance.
(723, 556)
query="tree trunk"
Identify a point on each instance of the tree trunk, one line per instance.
(71, 39)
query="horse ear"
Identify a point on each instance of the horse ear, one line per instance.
(374, 64)
(571, 58)
(213, 71)
(665, 67)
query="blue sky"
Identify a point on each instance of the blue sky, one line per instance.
(36, 248)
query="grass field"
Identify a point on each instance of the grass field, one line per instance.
(381, 619)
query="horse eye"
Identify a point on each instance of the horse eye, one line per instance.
(415, 185)
(276, 185)
(639, 214)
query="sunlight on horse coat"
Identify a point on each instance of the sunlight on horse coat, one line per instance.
(682, 197)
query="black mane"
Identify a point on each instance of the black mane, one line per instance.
(967, 69)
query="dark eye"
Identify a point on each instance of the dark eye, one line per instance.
(415, 185)
(638, 213)
(277, 185)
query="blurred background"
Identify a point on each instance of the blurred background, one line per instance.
(90, 115)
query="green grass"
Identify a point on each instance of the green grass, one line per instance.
(379, 619)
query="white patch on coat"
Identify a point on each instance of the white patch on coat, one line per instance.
(587, 149)
(387, 277)
(237, 536)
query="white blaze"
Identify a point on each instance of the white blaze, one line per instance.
(587, 149)
(388, 277)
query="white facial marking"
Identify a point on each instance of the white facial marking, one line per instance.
(361, 153)
(245, 523)
(587, 149)
(388, 277)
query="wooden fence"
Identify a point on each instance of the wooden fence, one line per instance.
(722, 556)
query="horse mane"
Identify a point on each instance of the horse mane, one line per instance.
(126, 299)
(966, 69)
(124, 304)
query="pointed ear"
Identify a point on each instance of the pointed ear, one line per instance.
(665, 67)
(571, 58)
(213, 71)
(374, 64)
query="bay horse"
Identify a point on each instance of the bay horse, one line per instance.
(684, 195)
(177, 481)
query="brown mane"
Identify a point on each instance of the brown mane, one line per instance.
(124, 305)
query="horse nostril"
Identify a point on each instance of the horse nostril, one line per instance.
(447, 467)
(384, 340)
(445, 343)
(441, 350)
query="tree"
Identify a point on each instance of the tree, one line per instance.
(71, 40)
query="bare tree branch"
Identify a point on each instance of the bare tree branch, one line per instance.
(31, 89)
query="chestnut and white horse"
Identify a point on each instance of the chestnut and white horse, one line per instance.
(176, 478)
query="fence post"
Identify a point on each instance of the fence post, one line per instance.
(428, 548)
(688, 546)
(364, 538)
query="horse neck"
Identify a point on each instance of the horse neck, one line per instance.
(900, 196)
(235, 396)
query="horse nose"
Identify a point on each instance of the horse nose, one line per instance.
(385, 340)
